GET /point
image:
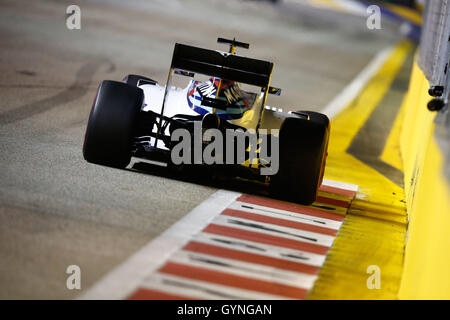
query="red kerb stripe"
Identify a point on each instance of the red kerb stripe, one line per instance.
(333, 202)
(231, 280)
(342, 192)
(250, 257)
(150, 294)
(292, 207)
(265, 238)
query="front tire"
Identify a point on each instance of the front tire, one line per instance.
(303, 150)
(112, 124)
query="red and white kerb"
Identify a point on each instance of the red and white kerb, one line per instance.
(253, 248)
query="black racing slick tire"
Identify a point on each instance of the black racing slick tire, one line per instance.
(133, 80)
(318, 117)
(303, 149)
(112, 123)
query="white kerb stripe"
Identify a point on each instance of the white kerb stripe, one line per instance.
(274, 230)
(340, 185)
(302, 217)
(244, 269)
(290, 216)
(202, 289)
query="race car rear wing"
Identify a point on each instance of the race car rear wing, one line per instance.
(222, 65)
(189, 59)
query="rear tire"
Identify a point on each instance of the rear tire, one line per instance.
(303, 149)
(318, 117)
(112, 123)
(325, 121)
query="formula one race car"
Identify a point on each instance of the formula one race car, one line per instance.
(216, 119)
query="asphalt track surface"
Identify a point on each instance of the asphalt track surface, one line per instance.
(56, 209)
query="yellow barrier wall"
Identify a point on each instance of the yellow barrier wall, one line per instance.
(426, 273)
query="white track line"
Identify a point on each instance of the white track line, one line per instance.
(359, 82)
(121, 282)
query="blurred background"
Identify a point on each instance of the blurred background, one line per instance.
(57, 210)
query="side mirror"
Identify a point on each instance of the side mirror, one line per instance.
(275, 91)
